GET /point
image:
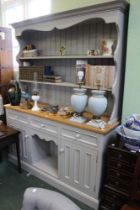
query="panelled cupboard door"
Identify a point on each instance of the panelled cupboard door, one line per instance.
(89, 170)
(78, 166)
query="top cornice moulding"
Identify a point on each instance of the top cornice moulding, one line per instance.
(48, 22)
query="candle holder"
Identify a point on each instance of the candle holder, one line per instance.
(35, 96)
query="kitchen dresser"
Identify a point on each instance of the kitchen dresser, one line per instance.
(66, 154)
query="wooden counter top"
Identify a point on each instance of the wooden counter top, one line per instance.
(66, 121)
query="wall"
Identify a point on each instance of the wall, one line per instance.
(63, 5)
(131, 103)
(0, 16)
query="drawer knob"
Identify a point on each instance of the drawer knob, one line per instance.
(61, 150)
(119, 165)
(117, 183)
(26, 136)
(43, 126)
(118, 174)
(120, 156)
(77, 135)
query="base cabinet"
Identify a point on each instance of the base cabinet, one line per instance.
(64, 156)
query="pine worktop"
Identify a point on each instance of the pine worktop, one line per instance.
(64, 120)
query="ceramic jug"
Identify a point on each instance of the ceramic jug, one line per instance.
(106, 46)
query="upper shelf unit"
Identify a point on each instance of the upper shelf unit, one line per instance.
(78, 30)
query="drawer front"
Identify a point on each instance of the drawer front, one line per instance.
(119, 175)
(113, 200)
(79, 136)
(120, 184)
(45, 126)
(121, 166)
(16, 117)
(121, 156)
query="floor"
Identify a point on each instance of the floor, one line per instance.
(13, 184)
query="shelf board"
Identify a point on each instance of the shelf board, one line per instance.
(49, 165)
(61, 84)
(66, 57)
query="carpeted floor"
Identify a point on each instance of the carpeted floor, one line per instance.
(13, 184)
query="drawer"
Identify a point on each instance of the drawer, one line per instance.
(112, 200)
(120, 175)
(120, 184)
(16, 120)
(126, 157)
(44, 125)
(121, 166)
(79, 136)
(16, 117)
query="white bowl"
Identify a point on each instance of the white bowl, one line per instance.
(131, 133)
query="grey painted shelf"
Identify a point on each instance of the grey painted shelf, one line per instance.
(66, 57)
(62, 84)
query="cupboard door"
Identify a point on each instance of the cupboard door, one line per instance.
(89, 170)
(78, 166)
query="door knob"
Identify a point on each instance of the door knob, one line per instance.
(61, 150)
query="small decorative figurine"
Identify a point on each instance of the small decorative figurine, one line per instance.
(62, 51)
